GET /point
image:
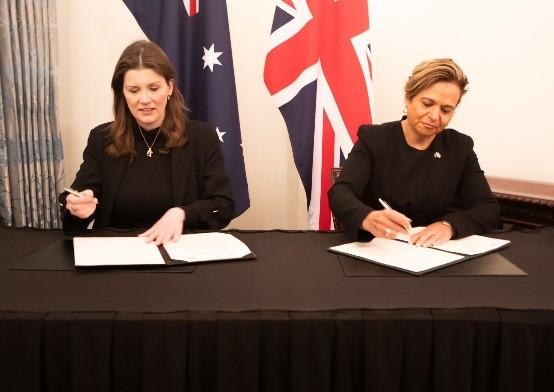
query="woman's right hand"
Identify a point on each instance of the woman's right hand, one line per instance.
(82, 206)
(386, 223)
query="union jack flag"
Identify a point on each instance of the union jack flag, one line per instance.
(318, 70)
(197, 40)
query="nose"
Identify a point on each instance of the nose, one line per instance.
(434, 113)
(144, 97)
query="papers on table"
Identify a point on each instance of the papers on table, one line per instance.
(412, 231)
(126, 251)
(207, 247)
(473, 245)
(95, 251)
(418, 260)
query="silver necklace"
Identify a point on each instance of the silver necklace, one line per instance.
(149, 152)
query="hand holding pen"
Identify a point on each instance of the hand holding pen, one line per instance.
(81, 204)
(386, 223)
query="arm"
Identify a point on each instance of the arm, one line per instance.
(208, 200)
(348, 196)
(215, 207)
(88, 177)
(480, 210)
(346, 193)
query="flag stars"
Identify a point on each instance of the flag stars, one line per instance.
(211, 58)
(220, 134)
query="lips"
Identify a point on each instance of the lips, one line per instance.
(429, 126)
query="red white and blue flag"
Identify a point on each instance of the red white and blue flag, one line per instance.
(318, 70)
(195, 36)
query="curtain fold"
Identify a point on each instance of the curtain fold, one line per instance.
(31, 154)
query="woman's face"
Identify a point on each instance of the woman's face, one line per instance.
(430, 111)
(146, 93)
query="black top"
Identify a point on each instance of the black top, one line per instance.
(422, 184)
(144, 194)
(192, 177)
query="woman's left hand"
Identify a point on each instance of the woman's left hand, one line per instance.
(168, 228)
(435, 234)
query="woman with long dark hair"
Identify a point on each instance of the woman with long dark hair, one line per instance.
(151, 167)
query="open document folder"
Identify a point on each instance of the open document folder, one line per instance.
(418, 260)
(125, 251)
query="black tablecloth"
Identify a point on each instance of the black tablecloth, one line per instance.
(288, 321)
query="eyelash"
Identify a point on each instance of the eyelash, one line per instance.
(427, 104)
(136, 91)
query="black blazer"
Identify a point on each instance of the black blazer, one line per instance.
(199, 181)
(423, 185)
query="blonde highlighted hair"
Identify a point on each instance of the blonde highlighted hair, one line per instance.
(432, 71)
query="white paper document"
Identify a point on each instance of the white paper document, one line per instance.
(399, 255)
(411, 232)
(418, 260)
(97, 251)
(207, 247)
(473, 245)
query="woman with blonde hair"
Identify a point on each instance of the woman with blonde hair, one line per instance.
(418, 168)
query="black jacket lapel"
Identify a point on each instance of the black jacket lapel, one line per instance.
(116, 168)
(180, 170)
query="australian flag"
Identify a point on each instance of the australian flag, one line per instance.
(318, 70)
(195, 36)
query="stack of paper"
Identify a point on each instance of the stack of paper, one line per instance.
(419, 260)
(123, 251)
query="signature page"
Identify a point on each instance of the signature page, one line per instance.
(207, 247)
(398, 255)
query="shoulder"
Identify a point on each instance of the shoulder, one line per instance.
(101, 131)
(201, 133)
(99, 135)
(456, 140)
(378, 132)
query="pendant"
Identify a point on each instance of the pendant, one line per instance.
(149, 152)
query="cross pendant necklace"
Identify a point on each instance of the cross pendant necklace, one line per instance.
(149, 152)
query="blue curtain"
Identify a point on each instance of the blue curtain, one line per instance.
(31, 155)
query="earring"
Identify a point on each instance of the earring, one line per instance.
(168, 97)
(405, 111)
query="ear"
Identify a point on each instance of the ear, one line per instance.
(171, 83)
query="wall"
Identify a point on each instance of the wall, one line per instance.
(502, 46)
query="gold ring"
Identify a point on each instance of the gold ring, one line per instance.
(387, 231)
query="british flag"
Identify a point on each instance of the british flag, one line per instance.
(196, 38)
(318, 70)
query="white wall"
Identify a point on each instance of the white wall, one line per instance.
(503, 45)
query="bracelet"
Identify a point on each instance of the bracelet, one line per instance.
(452, 228)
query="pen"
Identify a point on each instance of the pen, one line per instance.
(384, 204)
(387, 207)
(76, 193)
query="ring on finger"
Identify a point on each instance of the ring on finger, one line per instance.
(387, 231)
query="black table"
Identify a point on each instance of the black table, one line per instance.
(288, 321)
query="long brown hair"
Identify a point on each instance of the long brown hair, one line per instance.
(145, 55)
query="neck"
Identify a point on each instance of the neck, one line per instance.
(414, 139)
(149, 127)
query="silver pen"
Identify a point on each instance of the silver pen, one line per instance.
(76, 193)
(384, 204)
